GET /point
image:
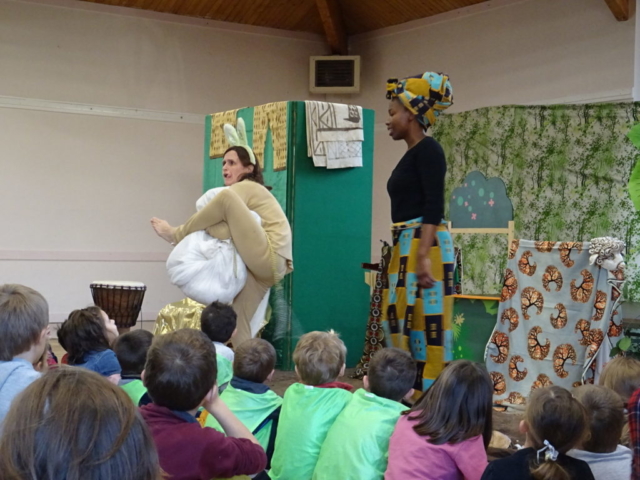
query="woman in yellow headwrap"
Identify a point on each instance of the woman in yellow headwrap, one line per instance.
(417, 305)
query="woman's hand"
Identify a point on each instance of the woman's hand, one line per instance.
(423, 270)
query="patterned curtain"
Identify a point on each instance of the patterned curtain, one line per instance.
(566, 169)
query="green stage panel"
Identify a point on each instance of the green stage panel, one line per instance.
(331, 239)
(330, 215)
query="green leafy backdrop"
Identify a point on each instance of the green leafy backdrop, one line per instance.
(566, 168)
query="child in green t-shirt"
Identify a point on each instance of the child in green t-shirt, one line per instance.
(247, 396)
(357, 445)
(131, 350)
(310, 407)
(218, 322)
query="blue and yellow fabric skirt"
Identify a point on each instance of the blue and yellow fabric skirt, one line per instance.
(414, 319)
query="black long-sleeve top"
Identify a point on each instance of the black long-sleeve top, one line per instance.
(416, 186)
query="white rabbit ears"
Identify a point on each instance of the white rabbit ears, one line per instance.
(237, 137)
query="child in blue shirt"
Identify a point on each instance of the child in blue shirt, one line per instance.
(87, 336)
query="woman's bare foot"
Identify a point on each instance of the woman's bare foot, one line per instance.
(163, 229)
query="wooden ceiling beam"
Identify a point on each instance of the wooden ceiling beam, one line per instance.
(621, 9)
(333, 24)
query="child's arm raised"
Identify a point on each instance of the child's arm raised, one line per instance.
(229, 422)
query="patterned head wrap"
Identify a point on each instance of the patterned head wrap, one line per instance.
(423, 95)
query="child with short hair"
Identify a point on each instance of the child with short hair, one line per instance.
(247, 396)
(73, 424)
(446, 432)
(622, 375)
(357, 444)
(218, 321)
(607, 459)
(310, 408)
(131, 350)
(87, 336)
(24, 328)
(555, 422)
(180, 376)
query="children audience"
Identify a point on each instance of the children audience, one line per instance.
(73, 424)
(218, 322)
(131, 351)
(247, 396)
(319, 431)
(24, 328)
(180, 376)
(555, 422)
(446, 432)
(357, 444)
(87, 336)
(607, 459)
(310, 407)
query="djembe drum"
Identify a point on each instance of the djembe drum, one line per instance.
(122, 301)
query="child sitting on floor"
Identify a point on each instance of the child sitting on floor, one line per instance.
(87, 336)
(218, 322)
(555, 422)
(357, 444)
(131, 350)
(248, 397)
(180, 376)
(310, 408)
(73, 424)
(607, 459)
(24, 327)
(622, 375)
(446, 432)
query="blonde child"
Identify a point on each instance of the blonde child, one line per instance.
(446, 432)
(555, 422)
(622, 375)
(310, 407)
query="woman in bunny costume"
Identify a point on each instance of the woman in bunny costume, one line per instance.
(266, 249)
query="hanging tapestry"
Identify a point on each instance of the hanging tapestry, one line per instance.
(555, 313)
(271, 116)
(566, 169)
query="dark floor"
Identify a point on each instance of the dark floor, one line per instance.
(505, 422)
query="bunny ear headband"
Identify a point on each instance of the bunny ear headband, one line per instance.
(237, 137)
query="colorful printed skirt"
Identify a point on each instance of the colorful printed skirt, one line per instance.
(413, 319)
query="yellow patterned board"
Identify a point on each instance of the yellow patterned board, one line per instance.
(218, 141)
(273, 116)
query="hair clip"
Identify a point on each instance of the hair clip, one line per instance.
(550, 453)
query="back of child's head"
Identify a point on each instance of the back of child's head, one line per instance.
(457, 406)
(131, 350)
(83, 332)
(319, 357)
(181, 369)
(218, 321)
(605, 411)
(74, 424)
(622, 375)
(391, 374)
(555, 416)
(24, 314)
(254, 360)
